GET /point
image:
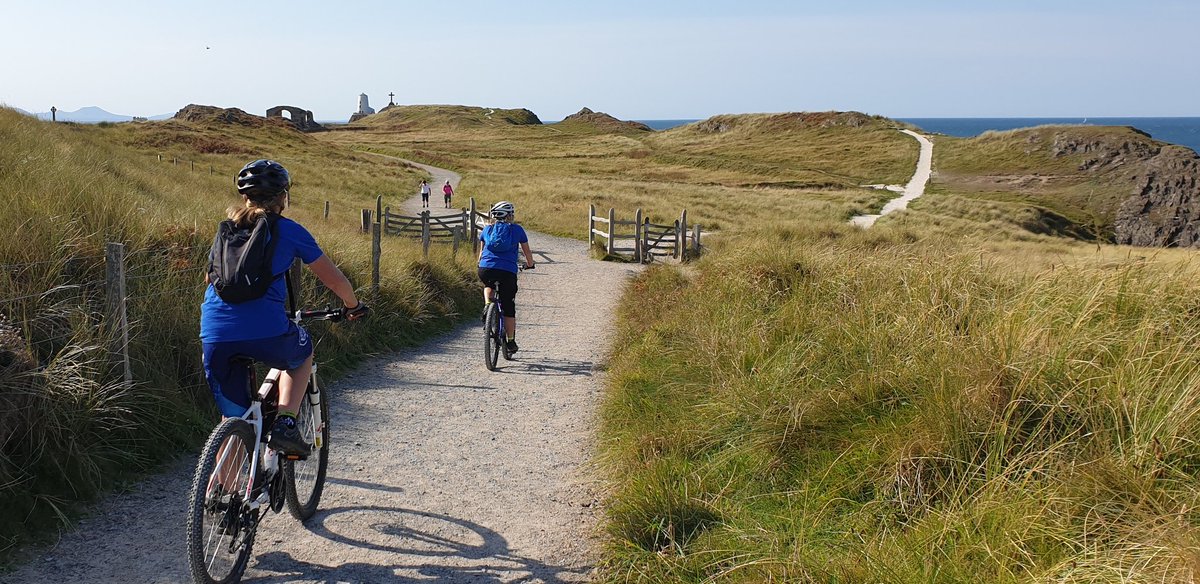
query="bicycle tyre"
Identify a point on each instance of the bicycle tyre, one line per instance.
(491, 338)
(302, 499)
(239, 435)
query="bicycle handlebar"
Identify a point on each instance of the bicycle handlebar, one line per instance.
(332, 315)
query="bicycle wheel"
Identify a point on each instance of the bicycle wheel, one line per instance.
(491, 338)
(220, 528)
(306, 478)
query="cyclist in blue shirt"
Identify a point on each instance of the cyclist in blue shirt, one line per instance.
(260, 329)
(498, 263)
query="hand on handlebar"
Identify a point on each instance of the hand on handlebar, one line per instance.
(529, 265)
(357, 312)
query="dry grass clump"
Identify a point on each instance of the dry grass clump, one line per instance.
(821, 404)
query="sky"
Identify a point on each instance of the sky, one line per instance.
(635, 59)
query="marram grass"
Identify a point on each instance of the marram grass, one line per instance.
(70, 428)
(847, 406)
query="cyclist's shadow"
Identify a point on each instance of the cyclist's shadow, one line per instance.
(389, 530)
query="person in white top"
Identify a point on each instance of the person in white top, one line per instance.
(424, 193)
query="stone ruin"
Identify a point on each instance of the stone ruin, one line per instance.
(301, 118)
(364, 109)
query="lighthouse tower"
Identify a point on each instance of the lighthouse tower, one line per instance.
(364, 108)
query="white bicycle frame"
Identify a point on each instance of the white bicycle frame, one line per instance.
(254, 417)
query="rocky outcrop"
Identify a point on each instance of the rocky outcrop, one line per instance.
(1164, 209)
(605, 122)
(207, 114)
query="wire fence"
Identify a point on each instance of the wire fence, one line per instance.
(50, 306)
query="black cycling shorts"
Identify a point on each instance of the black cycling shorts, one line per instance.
(508, 288)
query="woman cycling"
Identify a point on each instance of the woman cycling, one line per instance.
(259, 328)
(498, 264)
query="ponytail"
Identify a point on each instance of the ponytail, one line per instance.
(252, 210)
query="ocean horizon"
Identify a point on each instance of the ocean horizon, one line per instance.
(1184, 131)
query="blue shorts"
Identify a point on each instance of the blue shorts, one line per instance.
(229, 379)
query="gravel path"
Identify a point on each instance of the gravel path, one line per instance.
(440, 471)
(915, 187)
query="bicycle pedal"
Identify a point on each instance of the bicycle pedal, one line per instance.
(295, 457)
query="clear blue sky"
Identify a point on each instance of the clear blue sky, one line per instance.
(641, 59)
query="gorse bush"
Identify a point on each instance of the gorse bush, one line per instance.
(836, 406)
(69, 425)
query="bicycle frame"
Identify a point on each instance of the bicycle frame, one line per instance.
(254, 417)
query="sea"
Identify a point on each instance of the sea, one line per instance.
(1182, 131)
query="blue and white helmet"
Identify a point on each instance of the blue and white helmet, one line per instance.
(502, 211)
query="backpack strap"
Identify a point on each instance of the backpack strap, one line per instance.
(273, 221)
(287, 277)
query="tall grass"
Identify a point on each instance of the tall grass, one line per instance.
(70, 428)
(825, 405)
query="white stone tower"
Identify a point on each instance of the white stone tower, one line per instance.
(364, 108)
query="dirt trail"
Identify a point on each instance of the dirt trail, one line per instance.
(440, 471)
(915, 187)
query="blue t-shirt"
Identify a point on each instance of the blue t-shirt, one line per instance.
(501, 242)
(264, 317)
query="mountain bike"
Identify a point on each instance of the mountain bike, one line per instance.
(238, 477)
(493, 329)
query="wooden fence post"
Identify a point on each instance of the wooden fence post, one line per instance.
(366, 220)
(114, 280)
(696, 240)
(591, 224)
(425, 234)
(676, 253)
(474, 227)
(612, 214)
(160, 157)
(638, 231)
(376, 252)
(681, 233)
(174, 161)
(387, 217)
(210, 170)
(326, 210)
(378, 208)
(193, 166)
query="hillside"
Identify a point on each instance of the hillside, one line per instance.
(588, 120)
(732, 171)
(410, 117)
(814, 149)
(1114, 183)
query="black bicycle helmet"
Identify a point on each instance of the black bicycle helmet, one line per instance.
(263, 179)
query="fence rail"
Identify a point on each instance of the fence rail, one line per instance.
(650, 240)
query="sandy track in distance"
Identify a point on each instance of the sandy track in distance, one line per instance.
(439, 470)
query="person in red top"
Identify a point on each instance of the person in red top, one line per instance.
(448, 191)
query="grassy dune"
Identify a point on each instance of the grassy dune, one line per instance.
(729, 172)
(68, 428)
(819, 404)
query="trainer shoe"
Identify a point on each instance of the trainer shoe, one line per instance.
(285, 437)
(512, 346)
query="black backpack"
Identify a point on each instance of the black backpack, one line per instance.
(239, 263)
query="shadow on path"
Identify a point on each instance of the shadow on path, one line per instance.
(425, 546)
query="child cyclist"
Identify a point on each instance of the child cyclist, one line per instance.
(498, 263)
(259, 328)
